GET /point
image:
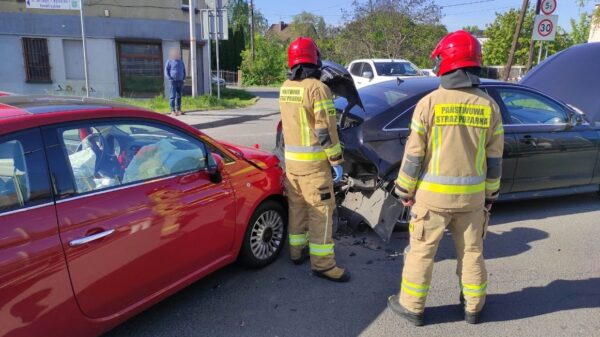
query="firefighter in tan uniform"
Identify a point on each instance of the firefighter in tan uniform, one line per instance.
(450, 174)
(312, 149)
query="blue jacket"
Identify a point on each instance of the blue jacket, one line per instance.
(175, 70)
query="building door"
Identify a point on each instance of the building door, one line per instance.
(140, 69)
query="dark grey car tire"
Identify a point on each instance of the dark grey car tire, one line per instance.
(265, 235)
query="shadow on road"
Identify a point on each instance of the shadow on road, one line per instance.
(559, 295)
(266, 93)
(239, 119)
(285, 300)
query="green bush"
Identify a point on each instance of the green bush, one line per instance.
(230, 99)
(270, 62)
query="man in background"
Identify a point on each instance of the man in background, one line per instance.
(175, 72)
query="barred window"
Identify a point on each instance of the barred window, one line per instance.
(37, 60)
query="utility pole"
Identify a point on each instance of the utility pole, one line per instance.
(515, 41)
(85, 63)
(532, 42)
(252, 28)
(217, 21)
(193, 64)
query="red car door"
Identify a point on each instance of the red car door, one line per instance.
(138, 212)
(35, 292)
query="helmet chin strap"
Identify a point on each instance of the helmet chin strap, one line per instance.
(437, 61)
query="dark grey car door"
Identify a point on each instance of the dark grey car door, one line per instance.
(552, 153)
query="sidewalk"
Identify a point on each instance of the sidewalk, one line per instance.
(246, 126)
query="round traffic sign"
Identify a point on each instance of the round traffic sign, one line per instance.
(545, 27)
(548, 6)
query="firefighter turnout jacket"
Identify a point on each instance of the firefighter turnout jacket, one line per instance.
(453, 157)
(309, 127)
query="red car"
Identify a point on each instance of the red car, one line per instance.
(107, 209)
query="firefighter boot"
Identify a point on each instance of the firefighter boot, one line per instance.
(304, 256)
(472, 317)
(335, 274)
(416, 319)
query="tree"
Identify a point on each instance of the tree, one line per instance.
(580, 30)
(501, 31)
(230, 51)
(472, 29)
(307, 24)
(270, 64)
(390, 29)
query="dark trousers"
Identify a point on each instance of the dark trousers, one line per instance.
(175, 95)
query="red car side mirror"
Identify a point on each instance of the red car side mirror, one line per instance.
(216, 168)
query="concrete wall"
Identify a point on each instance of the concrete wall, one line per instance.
(101, 34)
(102, 70)
(143, 9)
(595, 29)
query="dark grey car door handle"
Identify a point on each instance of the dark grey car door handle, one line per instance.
(530, 140)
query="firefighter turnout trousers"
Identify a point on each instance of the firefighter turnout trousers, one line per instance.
(452, 167)
(426, 230)
(312, 147)
(311, 204)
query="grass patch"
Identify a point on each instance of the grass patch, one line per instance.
(230, 99)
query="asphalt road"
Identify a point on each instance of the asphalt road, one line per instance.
(543, 260)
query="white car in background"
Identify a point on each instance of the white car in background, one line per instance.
(369, 71)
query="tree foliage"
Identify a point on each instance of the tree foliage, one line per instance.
(388, 29)
(580, 30)
(500, 35)
(308, 24)
(269, 65)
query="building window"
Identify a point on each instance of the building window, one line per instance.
(140, 69)
(73, 54)
(37, 60)
(185, 3)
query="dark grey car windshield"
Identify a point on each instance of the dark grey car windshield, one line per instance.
(376, 99)
(395, 69)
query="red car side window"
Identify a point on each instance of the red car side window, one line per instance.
(114, 154)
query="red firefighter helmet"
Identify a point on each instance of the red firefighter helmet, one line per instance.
(456, 50)
(303, 50)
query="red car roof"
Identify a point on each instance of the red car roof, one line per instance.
(21, 112)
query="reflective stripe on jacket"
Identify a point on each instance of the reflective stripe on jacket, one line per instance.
(309, 126)
(453, 157)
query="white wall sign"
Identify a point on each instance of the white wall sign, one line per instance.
(544, 27)
(53, 4)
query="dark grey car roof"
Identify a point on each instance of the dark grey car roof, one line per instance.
(573, 76)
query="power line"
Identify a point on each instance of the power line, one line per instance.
(466, 3)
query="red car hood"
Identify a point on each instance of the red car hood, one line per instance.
(260, 158)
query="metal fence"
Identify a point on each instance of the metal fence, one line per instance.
(230, 77)
(495, 72)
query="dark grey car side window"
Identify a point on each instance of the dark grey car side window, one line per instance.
(525, 107)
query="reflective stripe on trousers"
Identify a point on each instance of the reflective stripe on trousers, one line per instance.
(475, 290)
(416, 290)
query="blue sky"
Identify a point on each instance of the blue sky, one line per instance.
(455, 17)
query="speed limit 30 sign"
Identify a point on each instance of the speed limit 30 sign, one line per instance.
(544, 27)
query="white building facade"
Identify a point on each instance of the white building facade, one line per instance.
(127, 47)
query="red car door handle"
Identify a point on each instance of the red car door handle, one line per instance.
(88, 239)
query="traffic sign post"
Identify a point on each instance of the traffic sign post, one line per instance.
(548, 7)
(544, 27)
(67, 5)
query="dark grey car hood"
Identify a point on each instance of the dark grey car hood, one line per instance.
(573, 76)
(339, 80)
